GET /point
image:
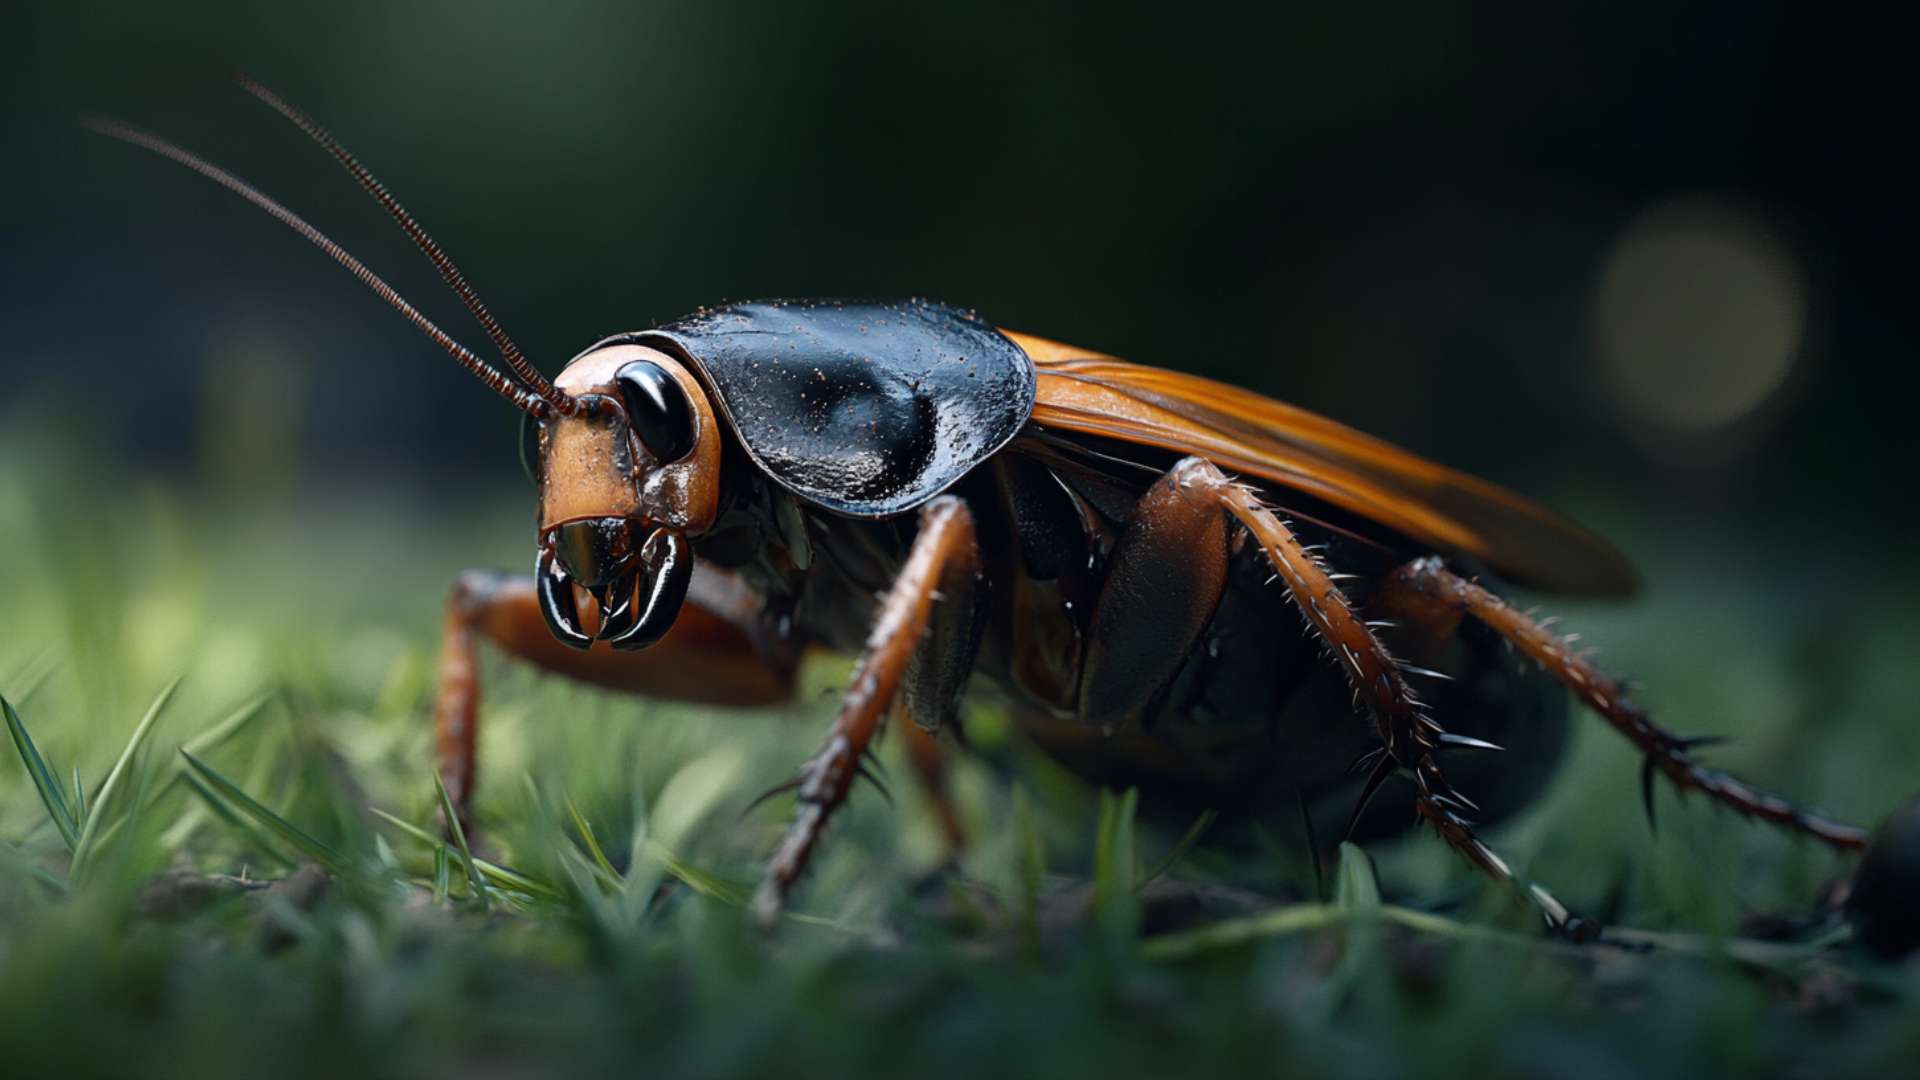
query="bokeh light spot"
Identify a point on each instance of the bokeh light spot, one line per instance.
(1701, 310)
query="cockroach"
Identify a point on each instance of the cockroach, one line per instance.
(1225, 601)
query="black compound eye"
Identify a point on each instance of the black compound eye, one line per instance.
(530, 446)
(658, 409)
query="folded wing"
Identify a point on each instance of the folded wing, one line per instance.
(1289, 447)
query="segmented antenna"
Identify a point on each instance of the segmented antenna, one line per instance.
(522, 398)
(516, 360)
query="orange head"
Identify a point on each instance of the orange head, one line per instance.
(627, 468)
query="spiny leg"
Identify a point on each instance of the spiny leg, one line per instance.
(719, 652)
(1426, 592)
(1410, 738)
(945, 540)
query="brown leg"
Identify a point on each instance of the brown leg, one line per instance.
(1161, 589)
(934, 681)
(929, 763)
(456, 706)
(1424, 591)
(945, 541)
(718, 653)
(1410, 737)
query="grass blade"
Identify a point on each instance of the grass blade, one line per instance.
(84, 849)
(708, 885)
(1113, 857)
(34, 675)
(586, 837)
(1356, 895)
(475, 881)
(1114, 868)
(43, 780)
(1279, 922)
(276, 825)
(1181, 846)
(1031, 868)
(602, 868)
(1355, 887)
(221, 810)
(501, 876)
(13, 859)
(1296, 919)
(199, 745)
(228, 726)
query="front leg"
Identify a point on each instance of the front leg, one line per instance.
(719, 652)
(941, 566)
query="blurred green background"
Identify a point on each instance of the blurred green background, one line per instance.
(1648, 263)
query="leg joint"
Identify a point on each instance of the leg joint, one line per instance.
(1194, 471)
(473, 589)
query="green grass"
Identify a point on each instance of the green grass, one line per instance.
(154, 918)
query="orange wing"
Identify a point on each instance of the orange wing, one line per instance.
(1246, 433)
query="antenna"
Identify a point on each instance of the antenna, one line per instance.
(523, 398)
(516, 360)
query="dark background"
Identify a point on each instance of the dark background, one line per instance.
(1401, 216)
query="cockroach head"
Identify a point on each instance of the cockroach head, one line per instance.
(624, 442)
(625, 474)
(639, 442)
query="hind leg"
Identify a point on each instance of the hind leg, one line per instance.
(1424, 592)
(1166, 578)
(1410, 737)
